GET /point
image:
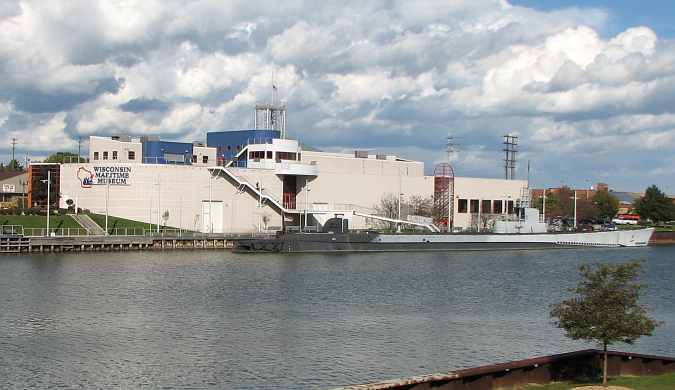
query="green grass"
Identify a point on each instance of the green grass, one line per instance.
(120, 223)
(655, 382)
(39, 221)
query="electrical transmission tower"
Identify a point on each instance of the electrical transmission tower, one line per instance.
(510, 150)
(450, 148)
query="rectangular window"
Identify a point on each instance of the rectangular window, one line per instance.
(205, 159)
(474, 206)
(105, 155)
(269, 155)
(286, 156)
(132, 155)
(174, 158)
(462, 205)
(194, 158)
(114, 154)
(497, 209)
(486, 207)
(256, 155)
(95, 155)
(510, 207)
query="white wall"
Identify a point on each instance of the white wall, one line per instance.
(204, 151)
(483, 189)
(181, 191)
(106, 144)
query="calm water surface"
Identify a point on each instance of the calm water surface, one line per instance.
(220, 320)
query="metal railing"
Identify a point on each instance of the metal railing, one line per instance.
(11, 230)
(121, 232)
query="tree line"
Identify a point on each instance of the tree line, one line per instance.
(654, 206)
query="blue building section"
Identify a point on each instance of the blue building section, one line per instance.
(167, 152)
(229, 143)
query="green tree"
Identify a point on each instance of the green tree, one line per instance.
(655, 205)
(551, 203)
(605, 308)
(64, 157)
(606, 204)
(14, 166)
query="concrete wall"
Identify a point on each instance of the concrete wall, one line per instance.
(472, 188)
(106, 144)
(204, 151)
(178, 189)
(343, 183)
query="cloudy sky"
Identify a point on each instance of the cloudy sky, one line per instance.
(589, 87)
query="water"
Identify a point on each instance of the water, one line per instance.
(218, 320)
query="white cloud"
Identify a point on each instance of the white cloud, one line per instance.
(370, 74)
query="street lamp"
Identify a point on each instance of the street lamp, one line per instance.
(575, 209)
(307, 189)
(48, 181)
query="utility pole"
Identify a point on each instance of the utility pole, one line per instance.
(79, 148)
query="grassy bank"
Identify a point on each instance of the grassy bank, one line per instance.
(39, 221)
(120, 223)
(656, 382)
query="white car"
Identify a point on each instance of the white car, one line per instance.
(618, 221)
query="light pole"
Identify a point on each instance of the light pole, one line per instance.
(480, 206)
(159, 201)
(575, 209)
(307, 189)
(260, 189)
(544, 206)
(107, 199)
(210, 202)
(49, 188)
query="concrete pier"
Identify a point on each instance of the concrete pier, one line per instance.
(22, 244)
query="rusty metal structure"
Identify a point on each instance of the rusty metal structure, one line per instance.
(444, 190)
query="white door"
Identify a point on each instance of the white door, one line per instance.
(212, 216)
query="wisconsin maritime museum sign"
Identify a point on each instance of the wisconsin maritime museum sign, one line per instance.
(104, 175)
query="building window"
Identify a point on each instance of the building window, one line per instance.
(205, 159)
(497, 207)
(95, 155)
(105, 155)
(474, 206)
(194, 158)
(510, 207)
(286, 156)
(486, 207)
(114, 155)
(132, 155)
(462, 205)
(229, 147)
(269, 155)
(256, 155)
